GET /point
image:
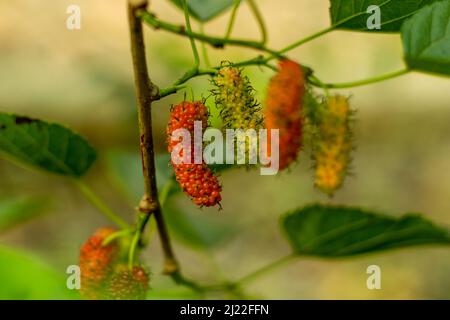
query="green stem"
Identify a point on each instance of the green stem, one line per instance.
(99, 204)
(217, 42)
(181, 280)
(303, 41)
(204, 49)
(142, 222)
(116, 235)
(232, 18)
(314, 81)
(259, 18)
(264, 270)
(189, 29)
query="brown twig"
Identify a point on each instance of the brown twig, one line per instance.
(147, 92)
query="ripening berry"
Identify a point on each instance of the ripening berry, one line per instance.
(96, 263)
(197, 180)
(332, 145)
(284, 110)
(128, 284)
(238, 107)
(234, 97)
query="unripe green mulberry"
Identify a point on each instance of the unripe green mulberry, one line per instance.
(234, 97)
(333, 144)
(239, 110)
(126, 284)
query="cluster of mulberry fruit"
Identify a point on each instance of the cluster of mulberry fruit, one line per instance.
(104, 276)
(196, 179)
(288, 108)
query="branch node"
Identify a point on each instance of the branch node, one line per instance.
(170, 266)
(147, 205)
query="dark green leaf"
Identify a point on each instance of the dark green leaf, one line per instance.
(333, 231)
(14, 211)
(204, 10)
(23, 277)
(46, 145)
(426, 39)
(352, 14)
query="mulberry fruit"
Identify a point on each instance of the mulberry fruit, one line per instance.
(332, 144)
(284, 110)
(196, 179)
(234, 96)
(239, 110)
(126, 284)
(96, 263)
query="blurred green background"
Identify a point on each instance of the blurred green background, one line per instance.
(83, 79)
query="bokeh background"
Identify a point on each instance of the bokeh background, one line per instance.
(83, 79)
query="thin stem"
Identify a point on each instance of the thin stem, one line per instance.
(232, 18)
(305, 40)
(316, 82)
(264, 270)
(99, 204)
(259, 18)
(189, 29)
(146, 93)
(204, 49)
(181, 280)
(116, 235)
(217, 42)
(142, 222)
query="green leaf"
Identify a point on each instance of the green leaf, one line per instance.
(14, 211)
(45, 145)
(204, 10)
(125, 169)
(426, 39)
(334, 231)
(196, 228)
(24, 277)
(352, 14)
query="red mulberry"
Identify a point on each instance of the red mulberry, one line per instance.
(284, 110)
(196, 180)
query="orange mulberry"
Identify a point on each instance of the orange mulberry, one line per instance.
(196, 179)
(284, 110)
(96, 263)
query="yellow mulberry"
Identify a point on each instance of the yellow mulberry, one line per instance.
(332, 144)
